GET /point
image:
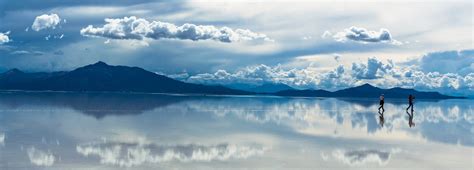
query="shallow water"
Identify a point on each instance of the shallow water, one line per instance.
(144, 131)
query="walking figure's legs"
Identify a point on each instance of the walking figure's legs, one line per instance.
(410, 106)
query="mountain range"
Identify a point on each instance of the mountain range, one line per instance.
(101, 77)
(263, 88)
(365, 91)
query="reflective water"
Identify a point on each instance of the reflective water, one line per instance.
(139, 131)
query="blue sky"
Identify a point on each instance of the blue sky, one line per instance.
(330, 45)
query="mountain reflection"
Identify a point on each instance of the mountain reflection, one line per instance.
(446, 121)
(98, 105)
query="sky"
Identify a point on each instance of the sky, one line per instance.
(331, 45)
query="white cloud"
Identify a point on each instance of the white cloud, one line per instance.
(460, 62)
(364, 36)
(46, 21)
(40, 158)
(361, 157)
(372, 70)
(24, 52)
(382, 74)
(4, 38)
(139, 28)
(326, 34)
(133, 154)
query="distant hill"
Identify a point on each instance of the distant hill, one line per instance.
(103, 77)
(264, 88)
(365, 91)
(271, 88)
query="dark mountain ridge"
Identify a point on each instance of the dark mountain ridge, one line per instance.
(366, 91)
(103, 77)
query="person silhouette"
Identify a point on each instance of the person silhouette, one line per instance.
(410, 105)
(410, 102)
(382, 101)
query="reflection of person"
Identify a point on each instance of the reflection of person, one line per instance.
(410, 119)
(381, 119)
(410, 102)
(382, 101)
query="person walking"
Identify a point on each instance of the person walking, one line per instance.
(410, 116)
(382, 101)
(410, 102)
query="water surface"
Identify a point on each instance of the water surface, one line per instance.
(154, 131)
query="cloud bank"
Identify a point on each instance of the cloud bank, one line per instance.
(384, 74)
(40, 158)
(133, 154)
(4, 38)
(138, 28)
(363, 35)
(460, 62)
(46, 21)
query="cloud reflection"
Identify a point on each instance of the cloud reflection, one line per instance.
(360, 157)
(133, 154)
(348, 118)
(351, 119)
(39, 157)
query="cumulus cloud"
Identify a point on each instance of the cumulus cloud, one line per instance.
(39, 157)
(364, 36)
(373, 69)
(4, 38)
(138, 28)
(460, 62)
(133, 154)
(46, 21)
(384, 74)
(360, 157)
(309, 77)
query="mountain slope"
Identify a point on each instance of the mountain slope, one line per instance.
(103, 77)
(264, 88)
(270, 88)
